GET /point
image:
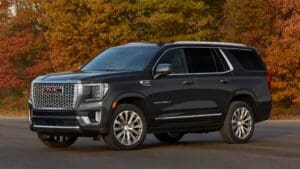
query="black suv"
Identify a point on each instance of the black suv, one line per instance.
(165, 89)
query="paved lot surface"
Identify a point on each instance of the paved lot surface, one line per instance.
(275, 144)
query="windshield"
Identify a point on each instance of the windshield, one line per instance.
(122, 58)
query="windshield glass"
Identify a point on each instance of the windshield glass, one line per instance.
(122, 58)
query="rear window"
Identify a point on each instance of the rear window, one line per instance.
(248, 59)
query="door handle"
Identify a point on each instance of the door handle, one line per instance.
(187, 82)
(224, 81)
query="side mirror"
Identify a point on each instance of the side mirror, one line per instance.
(162, 69)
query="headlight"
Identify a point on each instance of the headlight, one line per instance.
(95, 91)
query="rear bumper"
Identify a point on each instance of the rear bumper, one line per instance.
(264, 111)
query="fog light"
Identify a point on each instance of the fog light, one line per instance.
(85, 119)
(98, 116)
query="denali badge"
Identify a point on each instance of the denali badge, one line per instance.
(57, 90)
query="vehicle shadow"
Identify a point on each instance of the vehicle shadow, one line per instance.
(213, 141)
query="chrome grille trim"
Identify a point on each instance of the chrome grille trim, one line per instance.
(56, 127)
(66, 100)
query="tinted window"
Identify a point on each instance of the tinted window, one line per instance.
(122, 58)
(221, 63)
(176, 58)
(201, 60)
(248, 59)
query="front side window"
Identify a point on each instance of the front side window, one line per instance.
(176, 58)
(122, 58)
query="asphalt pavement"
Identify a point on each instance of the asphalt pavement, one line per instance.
(274, 145)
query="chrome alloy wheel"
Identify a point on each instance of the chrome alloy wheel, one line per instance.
(128, 127)
(241, 122)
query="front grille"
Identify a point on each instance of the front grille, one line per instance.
(54, 96)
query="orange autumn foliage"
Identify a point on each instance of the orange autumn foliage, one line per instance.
(41, 36)
(283, 55)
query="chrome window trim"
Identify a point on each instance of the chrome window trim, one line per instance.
(56, 127)
(188, 116)
(206, 73)
(226, 59)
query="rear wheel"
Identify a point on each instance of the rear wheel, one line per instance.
(57, 141)
(239, 123)
(128, 128)
(170, 137)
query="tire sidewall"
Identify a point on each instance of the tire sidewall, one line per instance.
(231, 110)
(119, 109)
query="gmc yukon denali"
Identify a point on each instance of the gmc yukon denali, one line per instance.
(168, 89)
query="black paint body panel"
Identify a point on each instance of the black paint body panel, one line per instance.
(168, 96)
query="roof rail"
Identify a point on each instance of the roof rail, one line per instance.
(210, 43)
(138, 43)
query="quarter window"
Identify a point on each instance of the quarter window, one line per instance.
(248, 59)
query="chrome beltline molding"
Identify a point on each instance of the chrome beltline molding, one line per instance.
(187, 116)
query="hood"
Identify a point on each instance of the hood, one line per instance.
(79, 76)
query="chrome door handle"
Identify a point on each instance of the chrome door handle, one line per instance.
(187, 82)
(224, 81)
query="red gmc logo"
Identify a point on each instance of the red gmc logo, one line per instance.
(52, 90)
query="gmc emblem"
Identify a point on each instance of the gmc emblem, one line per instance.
(57, 90)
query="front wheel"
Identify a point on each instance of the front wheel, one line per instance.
(128, 128)
(239, 123)
(57, 141)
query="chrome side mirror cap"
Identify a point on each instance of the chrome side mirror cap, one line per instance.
(162, 69)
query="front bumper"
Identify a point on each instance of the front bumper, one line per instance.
(80, 122)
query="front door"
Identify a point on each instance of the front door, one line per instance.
(170, 92)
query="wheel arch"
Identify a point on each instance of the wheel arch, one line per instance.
(249, 98)
(136, 99)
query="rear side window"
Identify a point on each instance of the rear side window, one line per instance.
(248, 59)
(201, 60)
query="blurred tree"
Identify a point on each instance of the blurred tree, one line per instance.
(248, 21)
(39, 36)
(23, 52)
(78, 30)
(283, 55)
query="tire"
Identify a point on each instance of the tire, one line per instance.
(128, 128)
(238, 126)
(170, 137)
(57, 141)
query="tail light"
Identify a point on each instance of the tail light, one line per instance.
(269, 80)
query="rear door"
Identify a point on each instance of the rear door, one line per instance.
(211, 72)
